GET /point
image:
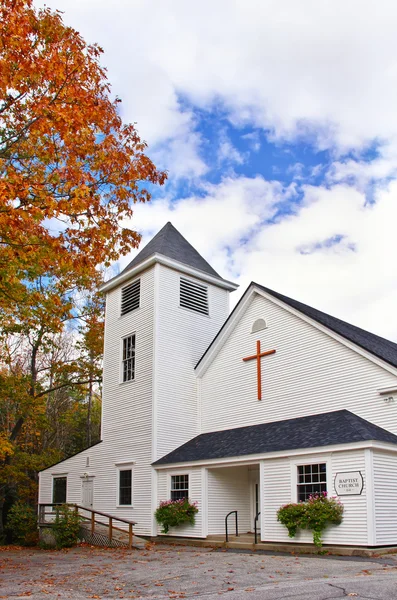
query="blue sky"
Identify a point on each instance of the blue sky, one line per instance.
(277, 124)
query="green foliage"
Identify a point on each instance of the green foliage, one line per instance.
(172, 513)
(291, 515)
(316, 515)
(66, 528)
(22, 524)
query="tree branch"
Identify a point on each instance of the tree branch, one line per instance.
(68, 383)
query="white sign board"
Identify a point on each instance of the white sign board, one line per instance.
(350, 483)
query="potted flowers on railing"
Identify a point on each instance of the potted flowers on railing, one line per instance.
(172, 513)
(315, 514)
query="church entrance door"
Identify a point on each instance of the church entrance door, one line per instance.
(88, 492)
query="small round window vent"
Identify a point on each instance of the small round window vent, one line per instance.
(258, 325)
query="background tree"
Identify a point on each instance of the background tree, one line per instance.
(70, 172)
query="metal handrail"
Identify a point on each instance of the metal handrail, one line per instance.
(233, 512)
(255, 529)
(93, 521)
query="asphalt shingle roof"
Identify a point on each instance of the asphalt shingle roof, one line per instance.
(169, 242)
(326, 429)
(376, 345)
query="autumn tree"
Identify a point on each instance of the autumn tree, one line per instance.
(70, 173)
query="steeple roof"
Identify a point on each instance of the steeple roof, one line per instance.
(170, 243)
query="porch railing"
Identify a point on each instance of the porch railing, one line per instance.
(109, 519)
(233, 512)
(256, 527)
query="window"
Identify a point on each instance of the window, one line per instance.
(125, 487)
(59, 490)
(193, 296)
(312, 479)
(130, 296)
(179, 487)
(258, 325)
(129, 358)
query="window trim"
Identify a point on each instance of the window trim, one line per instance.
(309, 460)
(128, 466)
(178, 473)
(122, 359)
(59, 476)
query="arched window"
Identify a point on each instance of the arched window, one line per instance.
(258, 325)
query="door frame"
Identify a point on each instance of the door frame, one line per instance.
(255, 500)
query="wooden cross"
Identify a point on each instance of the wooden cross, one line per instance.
(258, 357)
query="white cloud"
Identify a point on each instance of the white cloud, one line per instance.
(324, 69)
(229, 154)
(218, 221)
(253, 140)
(234, 227)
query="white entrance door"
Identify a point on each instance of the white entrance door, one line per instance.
(88, 492)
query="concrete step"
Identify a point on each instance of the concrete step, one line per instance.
(245, 542)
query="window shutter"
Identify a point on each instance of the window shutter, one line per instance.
(194, 296)
(130, 296)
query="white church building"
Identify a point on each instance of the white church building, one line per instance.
(238, 412)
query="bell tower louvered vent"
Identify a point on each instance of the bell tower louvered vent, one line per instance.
(130, 296)
(193, 296)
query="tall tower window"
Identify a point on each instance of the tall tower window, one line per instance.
(193, 296)
(130, 296)
(128, 363)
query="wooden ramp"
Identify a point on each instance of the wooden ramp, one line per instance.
(100, 537)
(97, 528)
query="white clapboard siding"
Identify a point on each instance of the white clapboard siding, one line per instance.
(278, 489)
(310, 373)
(182, 335)
(196, 476)
(275, 491)
(126, 417)
(228, 489)
(385, 495)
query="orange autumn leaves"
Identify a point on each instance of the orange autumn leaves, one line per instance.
(70, 170)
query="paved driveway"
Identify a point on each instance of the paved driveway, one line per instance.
(186, 572)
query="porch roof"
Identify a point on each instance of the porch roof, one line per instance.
(325, 429)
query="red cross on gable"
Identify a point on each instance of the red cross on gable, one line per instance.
(258, 357)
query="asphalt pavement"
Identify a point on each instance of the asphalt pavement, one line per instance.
(161, 572)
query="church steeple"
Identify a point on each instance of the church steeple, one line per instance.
(170, 248)
(170, 243)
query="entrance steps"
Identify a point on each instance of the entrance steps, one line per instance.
(246, 542)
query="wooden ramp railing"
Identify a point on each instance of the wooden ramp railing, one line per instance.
(47, 522)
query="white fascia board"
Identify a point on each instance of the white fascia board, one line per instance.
(172, 264)
(255, 458)
(253, 289)
(329, 332)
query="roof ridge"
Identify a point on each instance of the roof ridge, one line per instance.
(166, 228)
(359, 426)
(356, 327)
(169, 242)
(376, 345)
